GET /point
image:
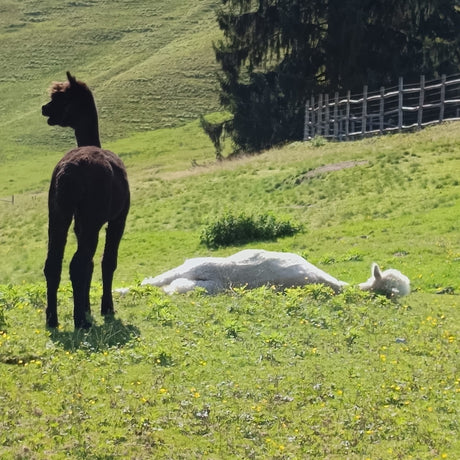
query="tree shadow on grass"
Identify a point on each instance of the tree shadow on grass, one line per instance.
(112, 334)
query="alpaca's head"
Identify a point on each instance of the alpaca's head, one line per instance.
(71, 102)
(390, 283)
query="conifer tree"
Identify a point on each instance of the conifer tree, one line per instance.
(275, 53)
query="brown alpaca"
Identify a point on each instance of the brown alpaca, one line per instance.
(90, 185)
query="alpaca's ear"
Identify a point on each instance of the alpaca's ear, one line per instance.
(72, 80)
(376, 271)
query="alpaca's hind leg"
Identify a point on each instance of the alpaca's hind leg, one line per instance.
(89, 273)
(109, 262)
(81, 270)
(57, 236)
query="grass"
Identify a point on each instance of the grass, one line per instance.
(304, 374)
(246, 374)
(399, 208)
(255, 374)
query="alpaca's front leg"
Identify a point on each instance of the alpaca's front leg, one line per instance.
(57, 237)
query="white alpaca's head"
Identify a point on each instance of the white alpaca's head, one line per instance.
(390, 283)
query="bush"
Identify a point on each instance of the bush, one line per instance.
(2, 319)
(3, 306)
(235, 230)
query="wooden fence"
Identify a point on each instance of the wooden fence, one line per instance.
(403, 107)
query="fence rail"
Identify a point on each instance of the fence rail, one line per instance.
(8, 200)
(395, 109)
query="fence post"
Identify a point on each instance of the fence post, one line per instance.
(443, 98)
(421, 101)
(382, 110)
(336, 114)
(364, 112)
(306, 130)
(327, 116)
(319, 117)
(347, 115)
(312, 122)
(400, 103)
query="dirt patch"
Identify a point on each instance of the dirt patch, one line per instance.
(330, 168)
(294, 181)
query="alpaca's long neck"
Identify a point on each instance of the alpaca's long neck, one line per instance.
(87, 131)
(87, 135)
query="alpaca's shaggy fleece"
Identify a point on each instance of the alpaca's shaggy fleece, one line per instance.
(251, 268)
(391, 283)
(256, 267)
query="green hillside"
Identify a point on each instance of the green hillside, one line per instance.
(150, 64)
(399, 205)
(245, 374)
(301, 374)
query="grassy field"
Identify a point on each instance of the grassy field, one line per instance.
(302, 374)
(399, 206)
(259, 374)
(252, 374)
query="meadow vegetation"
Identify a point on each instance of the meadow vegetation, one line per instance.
(248, 374)
(233, 230)
(245, 374)
(398, 206)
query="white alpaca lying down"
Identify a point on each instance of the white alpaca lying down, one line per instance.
(391, 283)
(251, 268)
(256, 267)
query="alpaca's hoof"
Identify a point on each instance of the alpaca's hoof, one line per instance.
(83, 325)
(107, 306)
(109, 319)
(52, 324)
(51, 318)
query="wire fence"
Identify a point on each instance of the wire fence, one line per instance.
(410, 106)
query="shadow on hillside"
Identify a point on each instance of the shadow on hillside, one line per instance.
(112, 334)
